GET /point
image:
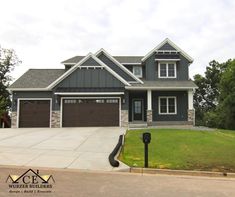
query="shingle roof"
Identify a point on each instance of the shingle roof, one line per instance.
(121, 59)
(167, 83)
(37, 78)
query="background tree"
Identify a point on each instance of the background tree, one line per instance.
(8, 61)
(226, 107)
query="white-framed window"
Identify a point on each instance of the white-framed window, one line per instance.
(167, 70)
(137, 71)
(167, 105)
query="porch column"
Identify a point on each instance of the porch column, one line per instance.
(191, 111)
(149, 107)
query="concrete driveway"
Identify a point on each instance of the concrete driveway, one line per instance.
(78, 148)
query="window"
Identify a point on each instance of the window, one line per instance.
(167, 70)
(167, 105)
(137, 71)
(112, 101)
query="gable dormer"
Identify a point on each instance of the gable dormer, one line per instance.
(167, 62)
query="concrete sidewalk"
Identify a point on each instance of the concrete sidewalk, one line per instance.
(78, 148)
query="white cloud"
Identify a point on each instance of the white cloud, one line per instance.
(44, 33)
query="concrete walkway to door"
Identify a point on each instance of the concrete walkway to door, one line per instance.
(79, 148)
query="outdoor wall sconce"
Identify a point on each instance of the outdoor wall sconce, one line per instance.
(123, 100)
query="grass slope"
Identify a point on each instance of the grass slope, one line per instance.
(182, 149)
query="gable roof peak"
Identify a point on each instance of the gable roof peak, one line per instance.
(167, 40)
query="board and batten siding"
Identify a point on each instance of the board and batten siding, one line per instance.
(151, 66)
(115, 67)
(89, 78)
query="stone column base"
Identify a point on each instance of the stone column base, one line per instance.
(149, 117)
(55, 119)
(14, 120)
(191, 116)
(124, 118)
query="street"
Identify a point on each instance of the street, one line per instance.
(88, 183)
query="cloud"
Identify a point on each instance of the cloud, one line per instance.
(44, 33)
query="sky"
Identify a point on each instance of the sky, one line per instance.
(45, 32)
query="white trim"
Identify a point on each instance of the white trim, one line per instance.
(167, 105)
(157, 88)
(167, 60)
(149, 99)
(131, 63)
(68, 64)
(32, 99)
(28, 89)
(72, 69)
(167, 63)
(142, 106)
(141, 71)
(118, 64)
(91, 67)
(88, 93)
(190, 99)
(167, 40)
(61, 105)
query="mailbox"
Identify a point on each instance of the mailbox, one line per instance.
(146, 138)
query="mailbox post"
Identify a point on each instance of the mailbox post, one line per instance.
(146, 141)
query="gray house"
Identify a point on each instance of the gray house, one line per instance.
(104, 90)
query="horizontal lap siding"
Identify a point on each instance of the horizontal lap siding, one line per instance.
(182, 106)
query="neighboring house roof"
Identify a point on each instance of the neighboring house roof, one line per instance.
(37, 78)
(167, 40)
(121, 59)
(164, 84)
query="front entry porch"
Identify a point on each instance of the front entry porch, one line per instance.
(160, 107)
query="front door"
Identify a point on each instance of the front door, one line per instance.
(137, 110)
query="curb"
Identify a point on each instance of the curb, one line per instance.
(181, 172)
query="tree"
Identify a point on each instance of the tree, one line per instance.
(226, 108)
(8, 61)
(207, 95)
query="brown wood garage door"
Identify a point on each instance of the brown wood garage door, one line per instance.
(34, 113)
(90, 112)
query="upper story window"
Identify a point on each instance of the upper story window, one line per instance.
(137, 71)
(167, 70)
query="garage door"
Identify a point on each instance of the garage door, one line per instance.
(90, 112)
(34, 113)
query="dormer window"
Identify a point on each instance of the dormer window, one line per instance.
(137, 71)
(167, 70)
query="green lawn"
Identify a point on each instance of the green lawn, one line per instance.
(182, 149)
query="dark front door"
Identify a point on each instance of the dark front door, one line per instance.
(137, 109)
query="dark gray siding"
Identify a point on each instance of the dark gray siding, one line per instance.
(116, 68)
(88, 78)
(167, 46)
(150, 65)
(33, 94)
(152, 69)
(182, 106)
(90, 62)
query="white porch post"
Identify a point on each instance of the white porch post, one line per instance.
(190, 99)
(149, 96)
(149, 107)
(191, 112)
